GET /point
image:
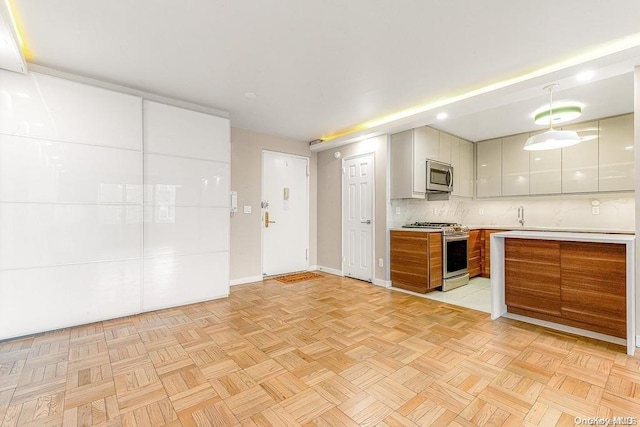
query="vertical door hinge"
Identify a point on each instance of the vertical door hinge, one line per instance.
(306, 254)
(307, 170)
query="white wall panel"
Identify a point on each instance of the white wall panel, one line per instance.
(186, 133)
(39, 299)
(37, 170)
(42, 106)
(176, 230)
(193, 182)
(33, 235)
(201, 277)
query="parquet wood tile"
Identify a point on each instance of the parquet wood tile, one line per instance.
(328, 352)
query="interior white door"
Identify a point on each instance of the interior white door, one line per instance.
(357, 217)
(285, 213)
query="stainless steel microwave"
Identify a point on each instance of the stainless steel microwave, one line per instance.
(439, 177)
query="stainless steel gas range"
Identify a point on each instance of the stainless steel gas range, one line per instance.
(455, 252)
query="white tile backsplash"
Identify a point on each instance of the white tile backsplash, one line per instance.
(617, 212)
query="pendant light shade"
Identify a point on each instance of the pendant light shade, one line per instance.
(552, 139)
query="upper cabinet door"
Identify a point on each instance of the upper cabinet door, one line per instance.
(180, 132)
(489, 167)
(515, 166)
(616, 169)
(41, 106)
(402, 165)
(464, 171)
(545, 175)
(455, 162)
(447, 144)
(580, 162)
(426, 142)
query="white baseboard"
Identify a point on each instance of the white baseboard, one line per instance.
(329, 270)
(312, 268)
(380, 282)
(244, 280)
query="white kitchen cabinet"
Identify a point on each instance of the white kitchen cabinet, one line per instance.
(446, 146)
(402, 166)
(464, 170)
(515, 166)
(616, 167)
(580, 162)
(462, 162)
(427, 143)
(545, 171)
(489, 168)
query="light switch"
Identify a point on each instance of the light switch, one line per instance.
(247, 209)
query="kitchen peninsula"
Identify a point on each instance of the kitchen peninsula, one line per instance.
(581, 283)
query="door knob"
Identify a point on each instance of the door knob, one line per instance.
(366, 222)
(266, 220)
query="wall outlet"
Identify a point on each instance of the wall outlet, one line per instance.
(380, 262)
(435, 211)
(397, 210)
(595, 210)
(247, 209)
(480, 211)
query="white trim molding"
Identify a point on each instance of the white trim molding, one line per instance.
(244, 280)
(380, 282)
(329, 270)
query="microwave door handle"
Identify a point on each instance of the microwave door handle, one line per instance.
(449, 180)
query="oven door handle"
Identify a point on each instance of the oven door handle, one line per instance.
(455, 238)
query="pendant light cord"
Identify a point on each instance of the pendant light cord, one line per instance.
(551, 107)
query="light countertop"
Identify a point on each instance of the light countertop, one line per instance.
(558, 229)
(567, 236)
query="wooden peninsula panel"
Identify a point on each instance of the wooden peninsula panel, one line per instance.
(580, 284)
(416, 260)
(532, 275)
(594, 286)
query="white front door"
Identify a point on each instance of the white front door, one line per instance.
(285, 213)
(357, 217)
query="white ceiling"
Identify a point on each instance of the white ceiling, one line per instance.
(320, 66)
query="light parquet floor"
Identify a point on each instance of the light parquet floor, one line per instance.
(328, 352)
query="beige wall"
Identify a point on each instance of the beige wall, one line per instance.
(246, 179)
(330, 202)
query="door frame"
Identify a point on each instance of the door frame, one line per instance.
(373, 212)
(307, 218)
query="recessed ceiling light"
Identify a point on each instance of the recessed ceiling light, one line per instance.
(442, 116)
(629, 148)
(584, 76)
(250, 95)
(22, 94)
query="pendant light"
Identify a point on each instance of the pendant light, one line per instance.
(551, 139)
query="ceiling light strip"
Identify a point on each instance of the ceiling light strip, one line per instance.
(603, 50)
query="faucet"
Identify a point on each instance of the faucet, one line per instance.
(521, 215)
